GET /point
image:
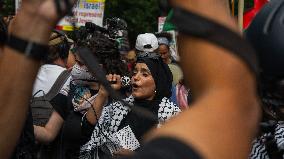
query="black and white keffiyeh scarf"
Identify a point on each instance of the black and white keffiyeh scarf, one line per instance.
(260, 148)
(109, 133)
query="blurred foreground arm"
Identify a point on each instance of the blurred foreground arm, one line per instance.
(223, 119)
(34, 22)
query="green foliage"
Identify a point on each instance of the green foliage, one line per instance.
(140, 15)
(248, 5)
(8, 7)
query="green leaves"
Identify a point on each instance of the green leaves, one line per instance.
(8, 7)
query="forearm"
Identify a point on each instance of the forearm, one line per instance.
(93, 116)
(214, 130)
(52, 128)
(42, 135)
(223, 119)
(17, 79)
(14, 97)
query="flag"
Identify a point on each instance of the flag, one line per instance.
(250, 14)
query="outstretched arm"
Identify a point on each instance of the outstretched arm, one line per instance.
(52, 128)
(223, 119)
(34, 22)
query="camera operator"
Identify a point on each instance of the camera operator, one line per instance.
(223, 118)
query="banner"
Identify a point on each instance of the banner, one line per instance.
(161, 22)
(84, 11)
(170, 28)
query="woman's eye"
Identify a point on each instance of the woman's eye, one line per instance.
(145, 74)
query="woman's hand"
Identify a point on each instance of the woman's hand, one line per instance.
(101, 98)
(115, 81)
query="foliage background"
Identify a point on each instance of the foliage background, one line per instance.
(141, 15)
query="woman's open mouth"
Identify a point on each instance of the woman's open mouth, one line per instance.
(135, 86)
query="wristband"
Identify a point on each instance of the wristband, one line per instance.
(28, 48)
(195, 25)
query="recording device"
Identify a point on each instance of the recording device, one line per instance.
(92, 27)
(86, 32)
(118, 31)
(116, 27)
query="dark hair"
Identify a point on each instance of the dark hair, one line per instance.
(105, 49)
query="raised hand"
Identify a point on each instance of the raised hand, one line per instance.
(115, 81)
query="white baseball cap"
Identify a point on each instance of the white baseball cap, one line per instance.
(147, 42)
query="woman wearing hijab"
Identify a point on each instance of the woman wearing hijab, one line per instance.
(116, 126)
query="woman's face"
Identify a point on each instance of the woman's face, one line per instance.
(143, 84)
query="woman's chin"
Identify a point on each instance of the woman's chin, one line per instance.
(137, 95)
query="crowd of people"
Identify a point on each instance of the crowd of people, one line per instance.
(207, 104)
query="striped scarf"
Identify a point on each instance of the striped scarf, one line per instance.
(259, 146)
